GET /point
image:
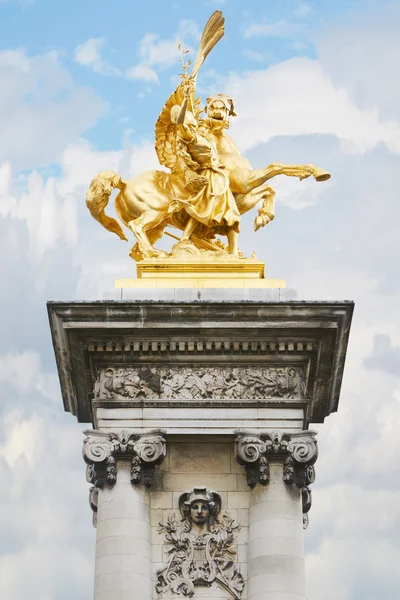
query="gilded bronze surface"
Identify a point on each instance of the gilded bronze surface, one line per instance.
(209, 184)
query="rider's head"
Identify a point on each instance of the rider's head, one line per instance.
(219, 108)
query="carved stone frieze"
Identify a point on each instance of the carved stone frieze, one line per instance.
(202, 547)
(102, 449)
(298, 451)
(200, 382)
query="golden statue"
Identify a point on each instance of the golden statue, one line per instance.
(209, 186)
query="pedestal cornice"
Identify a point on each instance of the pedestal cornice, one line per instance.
(91, 337)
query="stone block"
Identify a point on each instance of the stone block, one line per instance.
(272, 564)
(242, 485)
(242, 554)
(120, 595)
(184, 481)
(122, 527)
(275, 491)
(157, 538)
(275, 509)
(272, 527)
(123, 582)
(243, 516)
(156, 553)
(276, 545)
(243, 535)
(238, 500)
(277, 596)
(113, 294)
(195, 457)
(123, 563)
(156, 516)
(161, 499)
(123, 545)
(287, 294)
(148, 294)
(125, 509)
(275, 582)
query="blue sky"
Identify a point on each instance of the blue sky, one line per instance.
(268, 32)
(82, 84)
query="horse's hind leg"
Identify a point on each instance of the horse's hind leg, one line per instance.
(153, 235)
(139, 226)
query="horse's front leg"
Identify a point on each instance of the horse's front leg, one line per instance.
(300, 171)
(243, 181)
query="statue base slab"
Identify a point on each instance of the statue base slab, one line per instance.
(199, 283)
(206, 273)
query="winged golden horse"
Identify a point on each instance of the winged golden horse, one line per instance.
(209, 184)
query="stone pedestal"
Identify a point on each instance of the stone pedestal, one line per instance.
(201, 457)
(202, 272)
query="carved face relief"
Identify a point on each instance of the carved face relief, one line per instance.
(199, 512)
(203, 555)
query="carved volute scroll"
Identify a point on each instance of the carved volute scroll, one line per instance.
(298, 452)
(202, 547)
(102, 449)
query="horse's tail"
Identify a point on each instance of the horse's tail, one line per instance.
(97, 198)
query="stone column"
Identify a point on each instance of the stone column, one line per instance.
(279, 468)
(117, 466)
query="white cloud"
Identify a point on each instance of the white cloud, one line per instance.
(49, 213)
(158, 54)
(144, 72)
(54, 213)
(367, 59)
(299, 195)
(298, 97)
(89, 55)
(41, 109)
(21, 372)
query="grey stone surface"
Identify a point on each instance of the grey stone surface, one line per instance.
(91, 336)
(201, 294)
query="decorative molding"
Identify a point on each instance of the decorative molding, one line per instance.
(93, 503)
(202, 347)
(306, 499)
(202, 547)
(298, 451)
(221, 382)
(102, 449)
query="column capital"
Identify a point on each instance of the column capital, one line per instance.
(298, 452)
(102, 448)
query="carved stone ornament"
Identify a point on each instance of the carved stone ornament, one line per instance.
(200, 382)
(101, 450)
(299, 452)
(202, 547)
